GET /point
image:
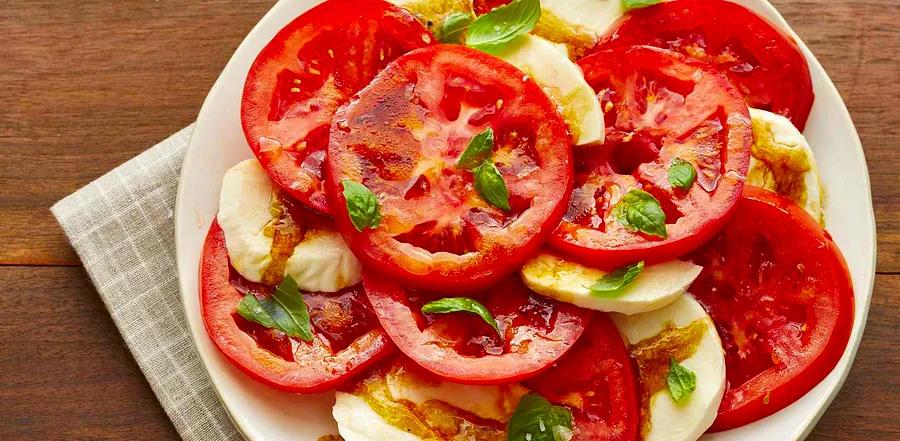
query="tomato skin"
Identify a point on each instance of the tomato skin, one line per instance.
(765, 64)
(487, 243)
(311, 67)
(599, 370)
(308, 371)
(436, 341)
(694, 114)
(784, 312)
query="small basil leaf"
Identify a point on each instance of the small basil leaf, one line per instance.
(682, 174)
(285, 310)
(454, 26)
(681, 381)
(641, 211)
(461, 304)
(491, 186)
(634, 4)
(612, 283)
(503, 24)
(478, 151)
(536, 419)
(362, 205)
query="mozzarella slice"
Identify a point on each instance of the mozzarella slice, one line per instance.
(563, 81)
(782, 161)
(655, 287)
(684, 331)
(248, 204)
(578, 24)
(432, 13)
(401, 403)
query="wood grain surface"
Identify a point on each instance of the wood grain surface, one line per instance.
(87, 84)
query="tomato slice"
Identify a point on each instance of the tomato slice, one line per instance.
(779, 291)
(311, 67)
(766, 65)
(596, 380)
(461, 347)
(660, 106)
(402, 136)
(347, 335)
(485, 6)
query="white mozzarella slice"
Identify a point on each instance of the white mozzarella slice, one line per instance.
(655, 287)
(432, 13)
(563, 82)
(357, 421)
(320, 262)
(684, 330)
(413, 407)
(782, 161)
(578, 24)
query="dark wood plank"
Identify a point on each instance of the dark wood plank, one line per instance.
(65, 372)
(88, 84)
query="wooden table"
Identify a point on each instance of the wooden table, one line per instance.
(87, 84)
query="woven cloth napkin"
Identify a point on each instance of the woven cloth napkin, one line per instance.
(122, 227)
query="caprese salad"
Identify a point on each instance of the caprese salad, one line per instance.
(528, 220)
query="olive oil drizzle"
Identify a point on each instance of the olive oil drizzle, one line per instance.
(286, 233)
(652, 357)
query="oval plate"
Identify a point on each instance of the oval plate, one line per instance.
(264, 414)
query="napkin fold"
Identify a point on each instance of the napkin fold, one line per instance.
(122, 227)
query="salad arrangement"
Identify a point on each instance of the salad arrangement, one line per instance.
(528, 220)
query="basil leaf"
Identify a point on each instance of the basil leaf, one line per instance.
(634, 4)
(461, 304)
(454, 26)
(681, 381)
(682, 174)
(536, 419)
(641, 211)
(362, 205)
(613, 282)
(491, 186)
(503, 24)
(478, 151)
(285, 310)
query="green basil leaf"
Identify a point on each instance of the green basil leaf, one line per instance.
(682, 174)
(478, 151)
(362, 205)
(454, 26)
(285, 310)
(461, 304)
(641, 211)
(491, 186)
(611, 284)
(536, 419)
(634, 4)
(681, 381)
(503, 24)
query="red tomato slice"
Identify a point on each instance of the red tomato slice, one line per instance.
(780, 294)
(660, 106)
(597, 381)
(485, 6)
(347, 335)
(461, 347)
(402, 136)
(765, 64)
(309, 69)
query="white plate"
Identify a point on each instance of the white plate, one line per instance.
(263, 414)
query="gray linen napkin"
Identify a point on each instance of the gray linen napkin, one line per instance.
(122, 226)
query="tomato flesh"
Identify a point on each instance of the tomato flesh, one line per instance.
(402, 136)
(660, 106)
(347, 336)
(311, 67)
(766, 65)
(596, 380)
(462, 347)
(784, 312)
